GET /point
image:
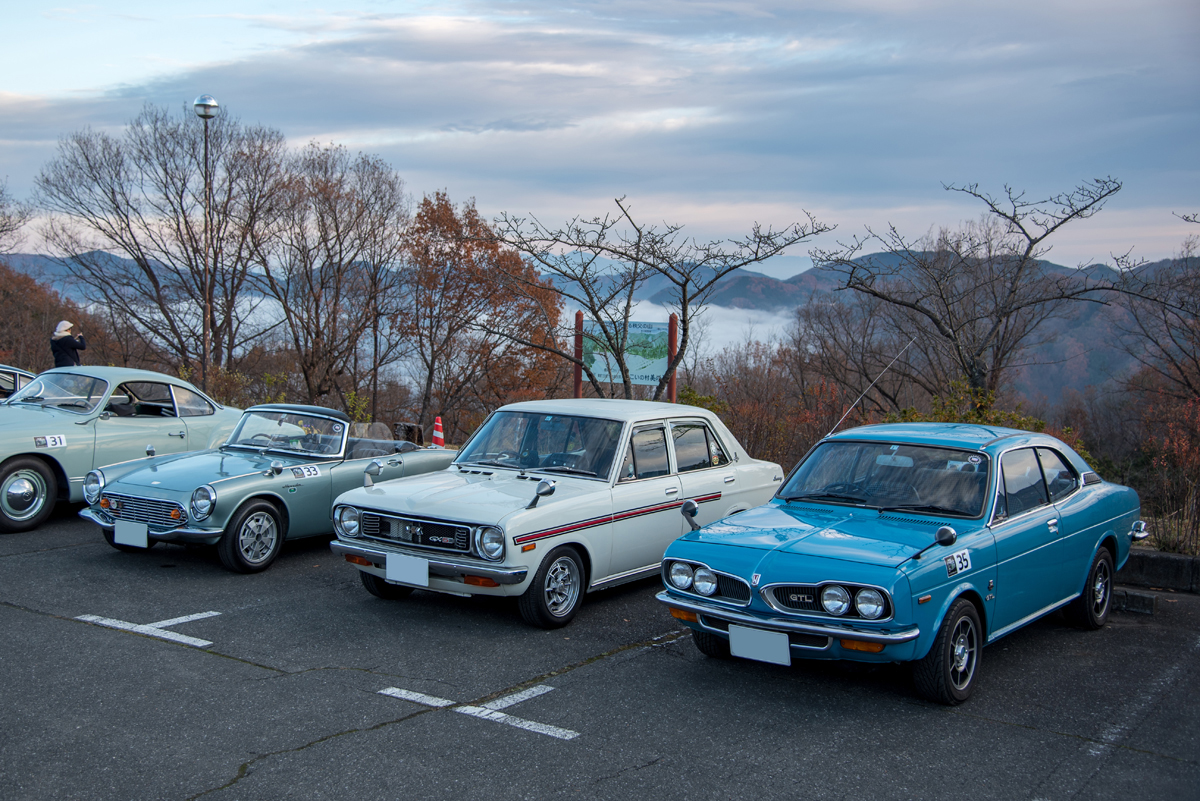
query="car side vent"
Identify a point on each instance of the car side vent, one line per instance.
(475, 472)
(914, 520)
(1091, 478)
(815, 509)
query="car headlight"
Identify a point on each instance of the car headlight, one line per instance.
(204, 500)
(346, 521)
(489, 542)
(869, 603)
(680, 574)
(704, 581)
(93, 485)
(835, 599)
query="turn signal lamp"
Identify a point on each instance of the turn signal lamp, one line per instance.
(175, 513)
(859, 645)
(528, 547)
(359, 560)
(480, 581)
(683, 614)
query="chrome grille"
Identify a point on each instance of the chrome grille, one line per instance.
(145, 510)
(806, 598)
(733, 589)
(800, 597)
(413, 531)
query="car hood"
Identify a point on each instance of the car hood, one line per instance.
(470, 496)
(19, 418)
(186, 471)
(853, 535)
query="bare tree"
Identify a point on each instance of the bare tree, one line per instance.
(13, 216)
(127, 217)
(600, 264)
(975, 296)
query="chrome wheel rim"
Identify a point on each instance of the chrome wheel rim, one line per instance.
(1100, 585)
(964, 647)
(23, 494)
(257, 537)
(562, 586)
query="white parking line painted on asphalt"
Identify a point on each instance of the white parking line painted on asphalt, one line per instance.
(155, 629)
(491, 710)
(416, 698)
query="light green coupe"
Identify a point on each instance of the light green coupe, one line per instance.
(274, 479)
(70, 420)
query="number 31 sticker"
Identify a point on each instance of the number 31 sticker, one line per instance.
(958, 562)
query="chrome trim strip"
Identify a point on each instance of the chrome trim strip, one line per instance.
(1045, 610)
(662, 566)
(779, 624)
(438, 565)
(627, 576)
(168, 535)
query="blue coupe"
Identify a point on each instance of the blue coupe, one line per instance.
(918, 542)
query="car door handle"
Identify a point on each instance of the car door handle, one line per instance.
(181, 434)
(730, 479)
(670, 490)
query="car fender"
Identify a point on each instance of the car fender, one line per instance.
(60, 474)
(950, 594)
(270, 497)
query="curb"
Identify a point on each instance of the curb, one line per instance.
(1134, 602)
(1168, 571)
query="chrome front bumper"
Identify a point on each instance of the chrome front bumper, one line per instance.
(192, 535)
(786, 625)
(439, 564)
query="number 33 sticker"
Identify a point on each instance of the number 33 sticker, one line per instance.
(306, 471)
(958, 562)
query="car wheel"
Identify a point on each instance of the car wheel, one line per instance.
(947, 673)
(554, 595)
(108, 537)
(1090, 610)
(381, 589)
(252, 539)
(710, 644)
(28, 490)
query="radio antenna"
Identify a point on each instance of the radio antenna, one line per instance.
(868, 389)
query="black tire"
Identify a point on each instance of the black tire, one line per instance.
(108, 537)
(710, 644)
(556, 592)
(948, 672)
(252, 539)
(28, 492)
(1090, 610)
(381, 589)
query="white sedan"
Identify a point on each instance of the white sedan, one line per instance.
(549, 499)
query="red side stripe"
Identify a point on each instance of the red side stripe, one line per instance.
(599, 521)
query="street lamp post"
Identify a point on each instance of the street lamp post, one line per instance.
(206, 108)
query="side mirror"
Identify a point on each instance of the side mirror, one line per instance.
(946, 536)
(1139, 532)
(275, 469)
(149, 450)
(544, 490)
(689, 510)
(373, 469)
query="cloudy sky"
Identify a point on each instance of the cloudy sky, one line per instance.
(710, 114)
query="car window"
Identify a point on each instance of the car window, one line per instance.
(1060, 478)
(696, 448)
(1024, 487)
(71, 392)
(647, 455)
(142, 399)
(190, 404)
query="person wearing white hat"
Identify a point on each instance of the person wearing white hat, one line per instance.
(66, 347)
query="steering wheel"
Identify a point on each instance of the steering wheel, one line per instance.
(267, 437)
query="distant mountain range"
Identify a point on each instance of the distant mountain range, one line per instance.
(1079, 350)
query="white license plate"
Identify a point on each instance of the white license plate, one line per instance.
(407, 569)
(127, 532)
(765, 646)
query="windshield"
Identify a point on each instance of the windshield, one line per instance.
(289, 432)
(74, 393)
(893, 476)
(550, 443)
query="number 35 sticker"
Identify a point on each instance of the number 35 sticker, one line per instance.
(306, 471)
(958, 562)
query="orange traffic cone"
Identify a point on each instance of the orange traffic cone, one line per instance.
(438, 440)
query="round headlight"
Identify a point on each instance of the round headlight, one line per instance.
(680, 574)
(346, 519)
(93, 485)
(835, 599)
(489, 541)
(704, 581)
(869, 603)
(204, 499)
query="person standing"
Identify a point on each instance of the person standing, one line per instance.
(66, 347)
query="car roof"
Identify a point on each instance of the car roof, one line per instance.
(118, 375)
(958, 435)
(299, 408)
(608, 408)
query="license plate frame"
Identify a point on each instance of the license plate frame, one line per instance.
(132, 533)
(407, 569)
(760, 645)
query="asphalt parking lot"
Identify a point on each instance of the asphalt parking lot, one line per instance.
(162, 676)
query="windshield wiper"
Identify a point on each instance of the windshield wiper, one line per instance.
(920, 507)
(562, 468)
(833, 496)
(494, 463)
(31, 399)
